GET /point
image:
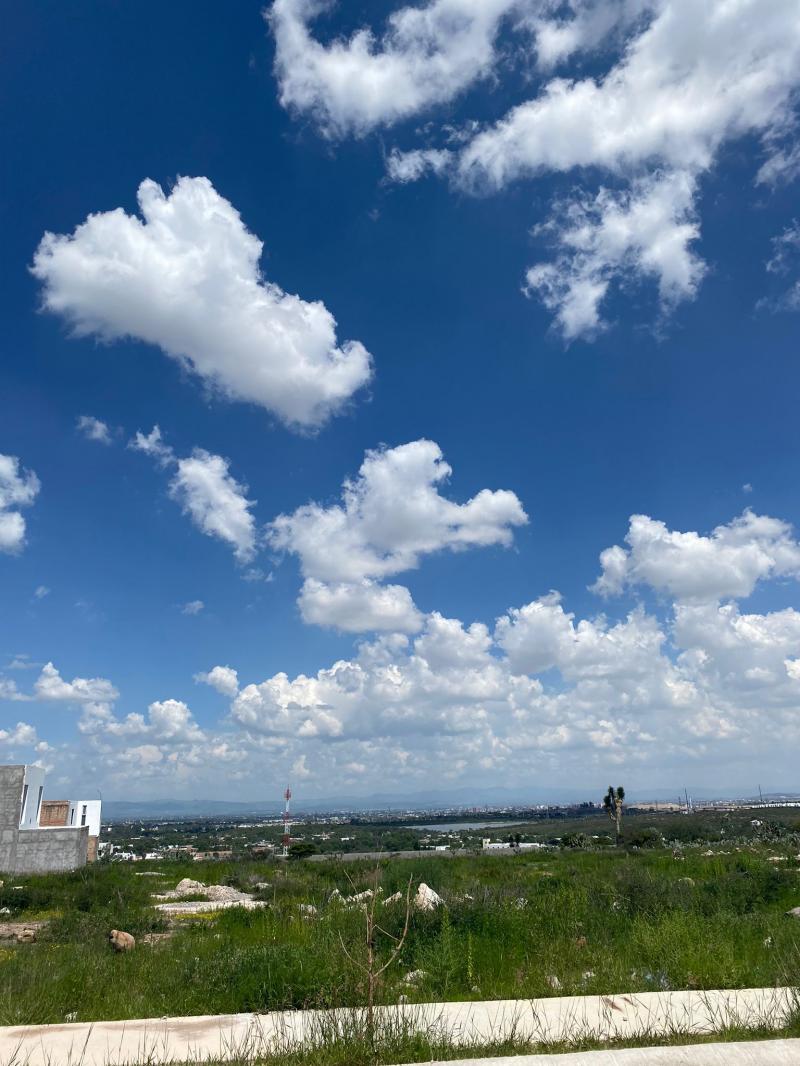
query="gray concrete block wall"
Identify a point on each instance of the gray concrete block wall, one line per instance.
(11, 781)
(34, 850)
(43, 850)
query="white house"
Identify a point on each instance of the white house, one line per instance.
(32, 792)
(85, 812)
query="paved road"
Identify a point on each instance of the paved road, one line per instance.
(167, 1040)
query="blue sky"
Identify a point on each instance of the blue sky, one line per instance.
(556, 242)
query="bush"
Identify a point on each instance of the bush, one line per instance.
(646, 838)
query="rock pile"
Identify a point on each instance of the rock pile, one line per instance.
(216, 897)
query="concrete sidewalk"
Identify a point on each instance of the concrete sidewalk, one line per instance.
(156, 1041)
(746, 1053)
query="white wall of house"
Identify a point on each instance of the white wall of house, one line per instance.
(85, 812)
(32, 792)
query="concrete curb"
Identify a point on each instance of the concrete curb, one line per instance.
(744, 1053)
(157, 1041)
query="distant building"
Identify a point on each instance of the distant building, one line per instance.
(74, 813)
(35, 834)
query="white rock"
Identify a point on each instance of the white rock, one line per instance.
(553, 981)
(396, 897)
(414, 977)
(359, 898)
(426, 899)
(307, 908)
(520, 903)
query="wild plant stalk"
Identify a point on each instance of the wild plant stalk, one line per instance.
(371, 969)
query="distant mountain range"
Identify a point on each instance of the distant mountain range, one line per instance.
(436, 799)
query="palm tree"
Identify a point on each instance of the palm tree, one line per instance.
(612, 801)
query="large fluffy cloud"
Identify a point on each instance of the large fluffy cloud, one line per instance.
(675, 81)
(541, 692)
(185, 277)
(18, 488)
(427, 55)
(693, 77)
(390, 516)
(691, 567)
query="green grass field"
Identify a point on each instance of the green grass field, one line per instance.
(600, 922)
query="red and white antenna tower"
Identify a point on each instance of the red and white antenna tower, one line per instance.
(286, 819)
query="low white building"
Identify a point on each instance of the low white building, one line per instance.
(85, 812)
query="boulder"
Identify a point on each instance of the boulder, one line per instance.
(26, 936)
(553, 981)
(414, 977)
(426, 899)
(793, 913)
(396, 897)
(121, 941)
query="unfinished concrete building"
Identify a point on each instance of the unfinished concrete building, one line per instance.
(39, 835)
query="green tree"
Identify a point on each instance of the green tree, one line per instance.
(302, 849)
(612, 801)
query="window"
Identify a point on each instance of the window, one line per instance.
(39, 803)
(72, 816)
(83, 815)
(24, 804)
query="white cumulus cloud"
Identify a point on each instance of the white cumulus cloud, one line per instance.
(673, 82)
(51, 686)
(726, 564)
(223, 678)
(18, 488)
(390, 516)
(427, 55)
(214, 500)
(185, 277)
